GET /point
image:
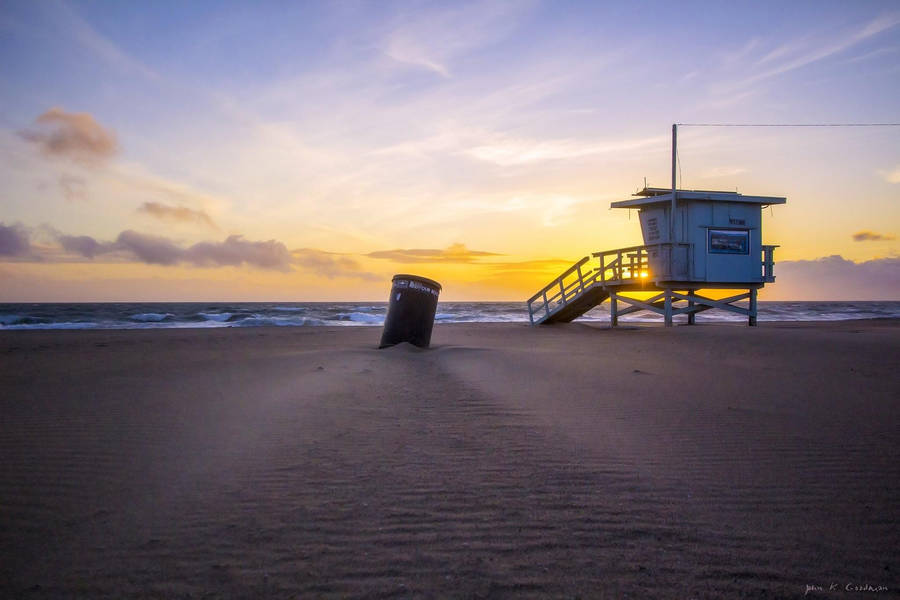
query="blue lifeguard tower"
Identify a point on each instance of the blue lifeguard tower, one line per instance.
(693, 240)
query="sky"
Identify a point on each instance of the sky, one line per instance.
(308, 151)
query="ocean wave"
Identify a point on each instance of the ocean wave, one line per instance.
(218, 317)
(11, 319)
(368, 314)
(279, 322)
(57, 325)
(360, 317)
(151, 317)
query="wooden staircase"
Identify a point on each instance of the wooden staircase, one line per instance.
(581, 287)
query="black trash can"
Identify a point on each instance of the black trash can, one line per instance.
(410, 315)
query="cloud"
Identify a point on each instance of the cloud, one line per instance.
(506, 152)
(797, 54)
(891, 176)
(74, 188)
(182, 214)
(532, 265)
(432, 39)
(330, 265)
(159, 250)
(14, 240)
(871, 236)
(73, 24)
(455, 253)
(235, 250)
(870, 55)
(84, 245)
(77, 136)
(836, 278)
(407, 51)
(152, 249)
(716, 172)
(539, 271)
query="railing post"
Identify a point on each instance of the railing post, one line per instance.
(562, 292)
(668, 307)
(580, 280)
(691, 313)
(753, 307)
(546, 304)
(613, 310)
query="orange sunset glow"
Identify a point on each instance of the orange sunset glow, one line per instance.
(315, 165)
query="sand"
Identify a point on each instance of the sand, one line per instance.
(506, 461)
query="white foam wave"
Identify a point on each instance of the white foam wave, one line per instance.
(219, 317)
(363, 318)
(151, 317)
(60, 325)
(278, 322)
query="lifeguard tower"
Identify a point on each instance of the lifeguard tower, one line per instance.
(693, 240)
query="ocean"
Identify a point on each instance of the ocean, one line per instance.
(135, 315)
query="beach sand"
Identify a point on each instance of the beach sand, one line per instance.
(506, 461)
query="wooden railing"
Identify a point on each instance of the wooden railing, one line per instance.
(768, 263)
(561, 290)
(653, 261)
(616, 267)
(623, 264)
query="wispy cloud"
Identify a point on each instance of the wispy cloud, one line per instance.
(330, 264)
(892, 176)
(455, 253)
(871, 55)
(722, 171)
(530, 266)
(73, 187)
(77, 136)
(100, 46)
(507, 151)
(797, 54)
(176, 213)
(871, 236)
(432, 39)
(408, 51)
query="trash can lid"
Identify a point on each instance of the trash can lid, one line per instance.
(425, 280)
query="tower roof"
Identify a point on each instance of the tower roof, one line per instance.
(649, 196)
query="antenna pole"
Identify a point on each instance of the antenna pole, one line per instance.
(674, 159)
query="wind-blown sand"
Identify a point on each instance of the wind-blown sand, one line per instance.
(507, 461)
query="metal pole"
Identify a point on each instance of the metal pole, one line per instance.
(667, 306)
(613, 310)
(672, 208)
(753, 307)
(674, 159)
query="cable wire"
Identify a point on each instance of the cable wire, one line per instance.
(788, 124)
